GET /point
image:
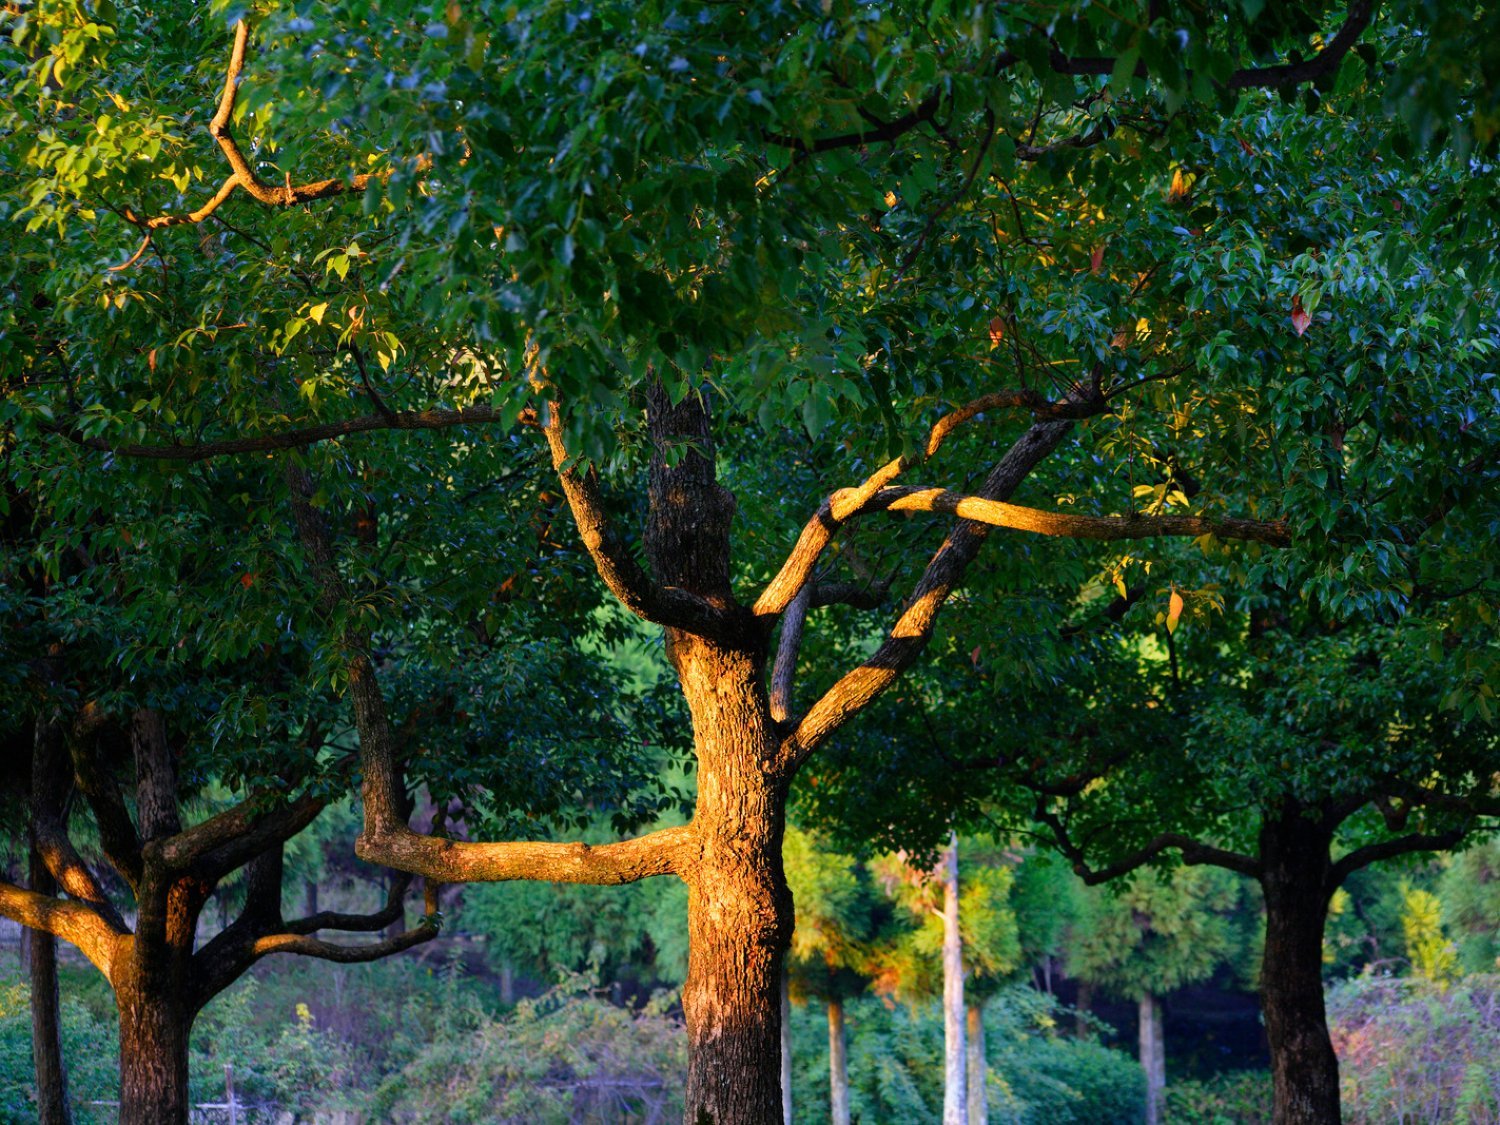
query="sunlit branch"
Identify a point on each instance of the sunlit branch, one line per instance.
(242, 175)
(913, 629)
(848, 502)
(665, 852)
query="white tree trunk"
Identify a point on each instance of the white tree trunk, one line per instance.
(955, 1083)
(1153, 1058)
(786, 1049)
(838, 1065)
(979, 1103)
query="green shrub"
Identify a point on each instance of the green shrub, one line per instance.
(90, 1050)
(560, 1058)
(1037, 1076)
(1235, 1098)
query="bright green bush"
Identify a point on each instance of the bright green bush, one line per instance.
(1240, 1097)
(90, 1048)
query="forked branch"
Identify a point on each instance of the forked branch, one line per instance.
(846, 503)
(242, 174)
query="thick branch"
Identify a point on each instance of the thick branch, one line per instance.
(848, 502)
(666, 852)
(435, 419)
(909, 636)
(51, 776)
(117, 835)
(1016, 518)
(230, 839)
(1389, 849)
(356, 923)
(783, 671)
(73, 922)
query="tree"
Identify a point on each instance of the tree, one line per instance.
(701, 217)
(830, 949)
(965, 932)
(1154, 936)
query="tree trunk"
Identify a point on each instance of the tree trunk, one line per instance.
(955, 1083)
(1153, 1058)
(786, 1047)
(1304, 1069)
(739, 906)
(154, 1026)
(979, 1102)
(46, 1026)
(838, 1064)
(1083, 1007)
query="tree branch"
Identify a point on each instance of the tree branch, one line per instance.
(73, 922)
(1017, 518)
(227, 841)
(788, 644)
(117, 835)
(1324, 63)
(1389, 849)
(435, 419)
(669, 606)
(1194, 853)
(913, 629)
(847, 502)
(51, 775)
(242, 175)
(669, 851)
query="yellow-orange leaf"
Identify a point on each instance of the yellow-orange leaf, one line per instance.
(1174, 611)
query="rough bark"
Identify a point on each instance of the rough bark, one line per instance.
(978, 1068)
(1295, 852)
(739, 906)
(838, 1064)
(1153, 1058)
(154, 1026)
(955, 1081)
(46, 1026)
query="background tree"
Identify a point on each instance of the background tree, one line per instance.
(829, 954)
(1152, 937)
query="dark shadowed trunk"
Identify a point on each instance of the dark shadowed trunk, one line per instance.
(154, 986)
(1153, 1057)
(46, 1026)
(1295, 853)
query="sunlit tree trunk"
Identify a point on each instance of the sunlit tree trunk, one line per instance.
(978, 1068)
(955, 1083)
(838, 1064)
(739, 907)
